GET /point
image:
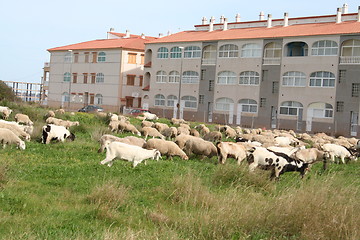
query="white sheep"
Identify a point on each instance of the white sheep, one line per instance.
(167, 148)
(230, 149)
(152, 132)
(335, 150)
(194, 132)
(16, 129)
(128, 127)
(203, 129)
(25, 128)
(131, 140)
(6, 111)
(150, 116)
(145, 123)
(176, 121)
(8, 137)
(181, 139)
(160, 126)
(214, 136)
(23, 118)
(183, 130)
(200, 147)
(60, 111)
(50, 113)
(229, 132)
(311, 155)
(170, 132)
(128, 152)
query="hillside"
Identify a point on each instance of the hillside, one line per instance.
(60, 191)
(6, 93)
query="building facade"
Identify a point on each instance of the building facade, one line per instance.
(107, 72)
(291, 73)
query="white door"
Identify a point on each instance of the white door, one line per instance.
(354, 118)
(309, 119)
(238, 116)
(231, 113)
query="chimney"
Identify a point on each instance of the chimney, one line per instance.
(211, 26)
(111, 30)
(169, 33)
(269, 21)
(204, 21)
(222, 18)
(237, 18)
(286, 19)
(127, 34)
(261, 16)
(338, 15)
(358, 17)
(225, 24)
(345, 8)
(160, 35)
(143, 36)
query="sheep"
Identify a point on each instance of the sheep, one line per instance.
(184, 125)
(284, 141)
(60, 122)
(176, 121)
(140, 118)
(238, 130)
(54, 132)
(131, 140)
(50, 113)
(5, 112)
(25, 128)
(113, 117)
(229, 132)
(230, 149)
(53, 120)
(311, 155)
(128, 152)
(213, 136)
(183, 130)
(128, 127)
(203, 129)
(181, 139)
(170, 132)
(16, 129)
(60, 111)
(201, 147)
(194, 132)
(8, 137)
(337, 151)
(23, 118)
(167, 148)
(101, 114)
(146, 124)
(289, 151)
(279, 163)
(160, 126)
(152, 132)
(114, 125)
(150, 116)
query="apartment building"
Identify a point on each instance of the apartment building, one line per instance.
(106, 72)
(291, 73)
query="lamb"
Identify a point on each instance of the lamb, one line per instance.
(194, 132)
(150, 116)
(230, 149)
(8, 137)
(16, 129)
(128, 152)
(146, 124)
(23, 118)
(160, 126)
(128, 127)
(54, 132)
(131, 140)
(201, 147)
(152, 132)
(203, 129)
(5, 112)
(214, 136)
(337, 151)
(181, 139)
(170, 132)
(167, 148)
(229, 132)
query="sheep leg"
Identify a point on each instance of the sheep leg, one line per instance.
(106, 160)
(252, 166)
(343, 159)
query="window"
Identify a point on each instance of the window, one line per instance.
(192, 52)
(65, 97)
(249, 78)
(209, 55)
(355, 87)
(226, 78)
(101, 57)
(174, 77)
(228, 51)
(85, 77)
(161, 77)
(86, 57)
(75, 75)
(76, 57)
(94, 55)
(321, 110)
(251, 50)
(190, 77)
(100, 77)
(297, 49)
(322, 79)
(163, 52)
(290, 108)
(294, 79)
(265, 75)
(201, 99)
(351, 48)
(324, 48)
(68, 57)
(171, 99)
(132, 58)
(202, 75)
(175, 52)
(342, 76)
(275, 87)
(141, 79)
(190, 101)
(98, 99)
(93, 77)
(142, 59)
(67, 77)
(248, 105)
(159, 100)
(130, 80)
(224, 104)
(272, 50)
(340, 106)
(262, 102)
(211, 85)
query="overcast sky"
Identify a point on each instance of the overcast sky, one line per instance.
(29, 28)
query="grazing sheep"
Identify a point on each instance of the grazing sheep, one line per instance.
(50, 113)
(114, 125)
(16, 129)
(129, 153)
(60, 111)
(8, 137)
(60, 122)
(230, 149)
(184, 125)
(284, 141)
(181, 139)
(5, 112)
(160, 126)
(150, 116)
(170, 132)
(194, 132)
(183, 130)
(25, 128)
(128, 127)
(131, 140)
(311, 155)
(114, 117)
(214, 136)
(200, 147)
(176, 121)
(57, 133)
(167, 148)
(202, 129)
(101, 114)
(145, 123)
(152, 132)
(337, 151)
(229, 132)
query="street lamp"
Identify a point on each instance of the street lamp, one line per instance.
(71, 59)
(181, 74)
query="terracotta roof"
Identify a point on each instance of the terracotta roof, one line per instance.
(131, 35)
(310, 29)
(136, 43)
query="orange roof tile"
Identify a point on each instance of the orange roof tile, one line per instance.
(128, 43)
(313, 29)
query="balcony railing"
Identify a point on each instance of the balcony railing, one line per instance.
(271, 61)
(211, 61)
(350, 60)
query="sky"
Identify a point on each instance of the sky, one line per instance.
(29, 28)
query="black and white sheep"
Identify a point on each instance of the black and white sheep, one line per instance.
(56, 133)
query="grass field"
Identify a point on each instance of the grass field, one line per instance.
(60, 191)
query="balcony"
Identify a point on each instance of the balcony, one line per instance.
(147, 64)
(271, 61)
(350, 60)
(210, 61)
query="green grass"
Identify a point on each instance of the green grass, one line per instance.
(60, 191)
